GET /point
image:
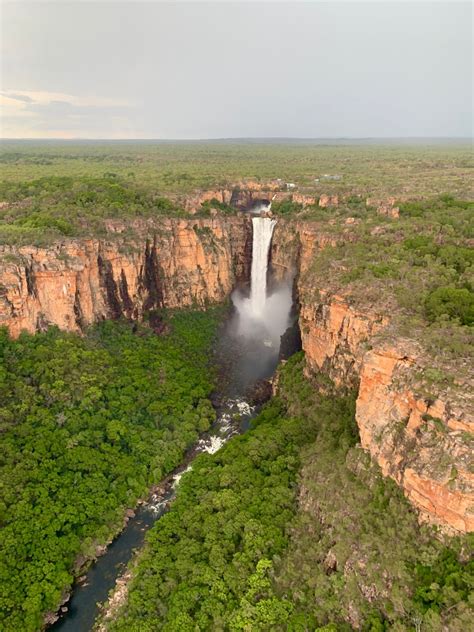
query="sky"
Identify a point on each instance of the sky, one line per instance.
(195, 70)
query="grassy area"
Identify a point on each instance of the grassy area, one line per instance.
(54, 207)
(54, 190)
(419, 269)
(389, 169)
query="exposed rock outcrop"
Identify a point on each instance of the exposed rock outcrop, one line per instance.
(328, 200)
(174, 263)
(385, 207)
(304, 199)
(241, 196)
(425, 445)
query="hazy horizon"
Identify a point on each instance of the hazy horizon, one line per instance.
(254, 139)
(226, 71)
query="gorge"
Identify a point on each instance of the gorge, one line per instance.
(181, 262)
(257, 332)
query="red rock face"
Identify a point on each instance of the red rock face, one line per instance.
(305, 200)
(328, 200)
(241, 195)
(385, 207)
(192, 203)
(178, 263)
(421, 444)
(424, 445)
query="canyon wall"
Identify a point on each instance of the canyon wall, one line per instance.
(243, 196)
(147, 265)
(423, 441)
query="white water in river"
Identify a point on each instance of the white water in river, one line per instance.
(262, 238)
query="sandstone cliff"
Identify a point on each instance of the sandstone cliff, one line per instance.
(241, 196)
(175, 263)
(424, 443)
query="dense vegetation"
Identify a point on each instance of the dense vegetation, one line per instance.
(357, 556)
(289, 527)
(87, 425)
(286, 207)
(387, 169)
(236, 553)
(56, 206)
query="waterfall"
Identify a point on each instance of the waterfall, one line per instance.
(262, 238)
(262, 318)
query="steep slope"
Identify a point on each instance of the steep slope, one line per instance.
(423, 441)
(138, 267)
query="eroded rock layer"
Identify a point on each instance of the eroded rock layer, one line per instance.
(73, 284)
(423, 442)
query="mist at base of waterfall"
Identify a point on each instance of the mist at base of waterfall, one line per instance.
(266, 324)
(251, 342)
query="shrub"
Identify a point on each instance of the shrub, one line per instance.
(286, 207)
(44, 220)
(455, 303)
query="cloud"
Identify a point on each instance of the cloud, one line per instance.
(18, 97)
(35, 113)
(237, 69)
(14, 109)
(35, 97)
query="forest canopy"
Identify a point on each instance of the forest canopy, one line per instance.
(87, 425)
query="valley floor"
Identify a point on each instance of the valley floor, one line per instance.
(88, 425)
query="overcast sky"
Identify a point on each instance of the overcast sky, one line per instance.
(218, 70)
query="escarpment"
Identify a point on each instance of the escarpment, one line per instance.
(424, 444)
(242, 195)
(139, 267)
(422, 441)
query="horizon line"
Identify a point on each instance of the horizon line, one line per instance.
(236, 138)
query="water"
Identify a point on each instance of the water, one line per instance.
(101, 577)
(262, 318)
(262, 238)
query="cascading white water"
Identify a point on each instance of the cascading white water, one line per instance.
(262, 238)
(263, 318)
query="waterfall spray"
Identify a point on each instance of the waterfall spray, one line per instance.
(262, 238)
(263, 318)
